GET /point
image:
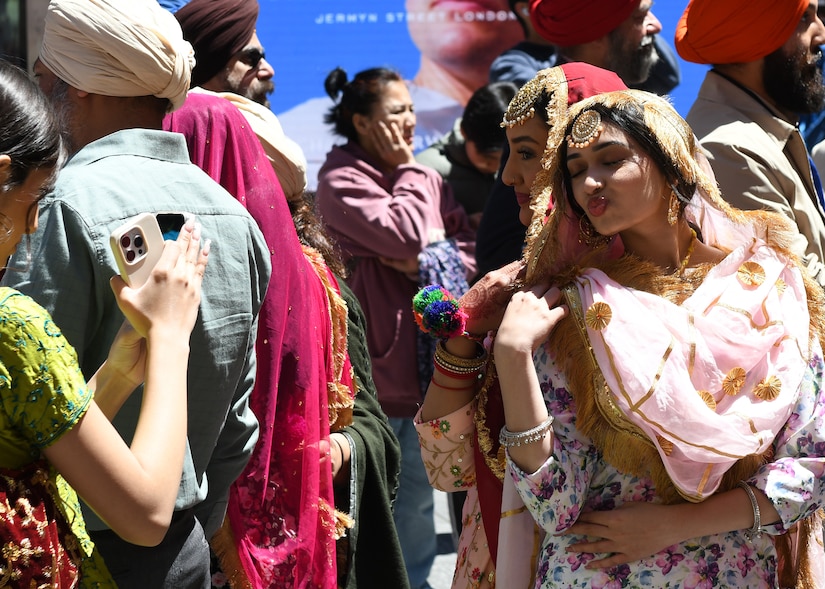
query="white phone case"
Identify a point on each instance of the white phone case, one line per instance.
(137, 246)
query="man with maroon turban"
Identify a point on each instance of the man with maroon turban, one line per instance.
(765, 73)
(230, 61)
(228, 54)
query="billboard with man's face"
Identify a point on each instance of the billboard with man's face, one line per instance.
(443, 47)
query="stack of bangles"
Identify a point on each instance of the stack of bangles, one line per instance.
(508, 439)
(470, 370)
(756, 530)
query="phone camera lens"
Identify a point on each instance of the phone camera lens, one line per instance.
(125, 241)
(138, 241)
(130, 256)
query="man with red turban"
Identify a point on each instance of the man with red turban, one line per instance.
(765, 73)
(616, 35)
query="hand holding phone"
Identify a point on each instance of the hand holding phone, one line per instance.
(137, 246)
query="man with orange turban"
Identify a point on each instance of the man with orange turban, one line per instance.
(765, 57)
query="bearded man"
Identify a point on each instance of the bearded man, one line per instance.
(616, 35)
(765, 73)
(230, 61)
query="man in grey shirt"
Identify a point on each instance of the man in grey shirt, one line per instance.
(113, 69)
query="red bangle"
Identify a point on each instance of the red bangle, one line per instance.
(464, 388)
(456, 375)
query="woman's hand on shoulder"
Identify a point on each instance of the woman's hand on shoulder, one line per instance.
(170, 298)
(531, 315)
(486, 301)
(390, 144)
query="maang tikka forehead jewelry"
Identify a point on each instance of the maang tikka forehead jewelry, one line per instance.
(586, 129)
(523, 105)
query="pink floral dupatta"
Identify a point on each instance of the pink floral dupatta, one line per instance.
(280, 525)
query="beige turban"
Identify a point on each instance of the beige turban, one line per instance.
(286, 156)
(117, 48)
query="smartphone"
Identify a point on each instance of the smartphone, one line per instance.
(137, 246)
(170, 224)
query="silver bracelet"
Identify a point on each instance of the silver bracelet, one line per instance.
(509, 439)
(756, 530)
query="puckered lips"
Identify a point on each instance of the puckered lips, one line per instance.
(597, 205)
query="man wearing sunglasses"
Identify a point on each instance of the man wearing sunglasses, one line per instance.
(229, 57)
(230, 61)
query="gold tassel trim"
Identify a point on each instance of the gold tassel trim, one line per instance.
(341, 399)
(224, 546)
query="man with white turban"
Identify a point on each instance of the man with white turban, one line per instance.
(114, 68)
(765, 73)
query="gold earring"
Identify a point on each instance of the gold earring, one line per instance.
(588, 234)
(6, 228)
(673, 209)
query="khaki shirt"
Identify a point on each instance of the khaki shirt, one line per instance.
(760, 161)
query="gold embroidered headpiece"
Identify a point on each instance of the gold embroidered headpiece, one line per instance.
(550, 83)
(523, 105)
(586, 129)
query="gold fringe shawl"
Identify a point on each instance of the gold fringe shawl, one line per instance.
(627, 448)
(620, 442)
(341, 399)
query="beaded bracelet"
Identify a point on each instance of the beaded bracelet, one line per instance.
(756, 530)
(475, 375)
(456, 365)
(509, 439)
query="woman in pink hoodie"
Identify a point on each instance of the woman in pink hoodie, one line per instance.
(398, 227)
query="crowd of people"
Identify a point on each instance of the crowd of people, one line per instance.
(630, 391)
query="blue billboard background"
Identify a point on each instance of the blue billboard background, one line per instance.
(305, 40)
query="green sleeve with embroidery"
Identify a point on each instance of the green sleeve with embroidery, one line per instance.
(42, 389)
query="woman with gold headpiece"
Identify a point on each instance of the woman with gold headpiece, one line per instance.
(453, 425)
(663, 405)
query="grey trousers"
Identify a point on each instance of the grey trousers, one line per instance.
(180, 561)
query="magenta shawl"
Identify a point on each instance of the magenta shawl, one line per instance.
(280, 515)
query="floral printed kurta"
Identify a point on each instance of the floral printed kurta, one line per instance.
(576, 479)
(447, 451)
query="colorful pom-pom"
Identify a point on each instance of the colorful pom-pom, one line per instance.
(437, 312)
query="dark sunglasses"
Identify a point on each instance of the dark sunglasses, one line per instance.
(251, 57)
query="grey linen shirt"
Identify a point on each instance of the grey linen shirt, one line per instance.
(108, 181)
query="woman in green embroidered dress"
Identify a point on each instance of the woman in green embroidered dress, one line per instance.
(56, 441)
